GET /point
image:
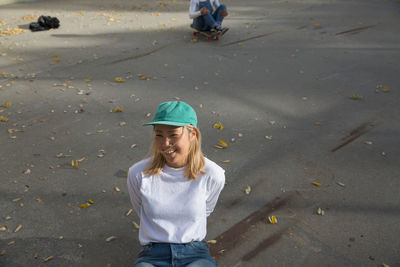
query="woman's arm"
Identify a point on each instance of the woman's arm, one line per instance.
(194, 10)
(134, 192)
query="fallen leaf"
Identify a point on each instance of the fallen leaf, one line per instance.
(154, 42)
(84, 206)
(122, 123)
(3, 228)
(226, 161)
(7, 104)
(272, 219)
(88, 79)
(212, 241)
(341, 184)
(317, 123)
(144, 77)
(19, 227)
(135, 225)
(368, 142)
(218, 126)
(119, 80)
(222, 144)
(12, 31)
(133, 145)
(317, 25)
(320, 212)
(48, 258)
(129, 212)
(316, 184)
(272, 122)
(17, 199)
(111, 238)
(74, 163)
(269, 137)
(3, 119)
(27, 171)
(118, 109)
(117, 189)
(3, 252)
(56, 58)
(356, 97)
(11, 243)
(248, 190)
(91, 201)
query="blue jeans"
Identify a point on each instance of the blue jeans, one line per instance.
(206, 22)
(193, 254)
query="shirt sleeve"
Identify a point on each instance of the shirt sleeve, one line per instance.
(134, 191)
(215, 187)
(194, 10)
(216, 4)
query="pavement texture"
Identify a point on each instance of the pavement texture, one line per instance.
(307, 92)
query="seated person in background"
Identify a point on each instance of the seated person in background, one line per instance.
(205, 18)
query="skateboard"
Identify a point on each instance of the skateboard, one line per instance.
(209, 35)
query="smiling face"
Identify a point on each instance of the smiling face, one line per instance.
(173, 142)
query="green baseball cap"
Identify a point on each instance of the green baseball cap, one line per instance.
(175, 113)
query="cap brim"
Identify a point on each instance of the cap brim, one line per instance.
(171, 123)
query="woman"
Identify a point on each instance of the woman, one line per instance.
(174, 191)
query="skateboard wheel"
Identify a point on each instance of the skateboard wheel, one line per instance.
(217, 38)
(194, 33)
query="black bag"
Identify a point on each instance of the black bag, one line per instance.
(44, 23)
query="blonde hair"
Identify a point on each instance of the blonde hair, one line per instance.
(194, 164)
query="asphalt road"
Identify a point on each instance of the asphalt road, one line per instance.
(307, 92)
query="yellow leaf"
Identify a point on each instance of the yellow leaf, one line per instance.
(155, 42)
(129, 212)
(226, 161)
(320, 212)
(17, 199)
(356, 97)
(272, 219)
(91, 201)
(88, 79)
(218, 126)
(48, 259)
(56, 58)
(212, 241)
(118, 109)
(3, 228)
(135, 225)
(317, 123)
(84, 206)
(111, 238)
(3, 119)
(117, 189)
(317, 25)
(248, 190)
(385, 89)
(316, 184)
(341, 184)
(119, 80)
(74, 163)
(7, 104)
(144, 77)
(195, 40)
(222, 143)
(19, 227)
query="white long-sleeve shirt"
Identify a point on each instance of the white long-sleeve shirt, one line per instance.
(194, 9)
(172, 208)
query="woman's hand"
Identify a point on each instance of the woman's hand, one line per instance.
(224, 13)
(204, 11)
